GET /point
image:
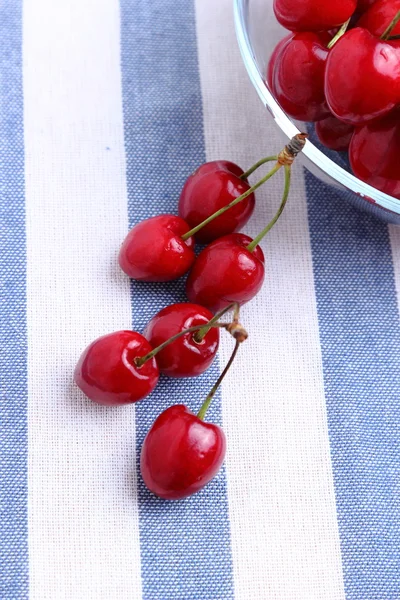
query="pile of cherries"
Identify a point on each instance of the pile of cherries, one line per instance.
(181, 452)
(340, 68)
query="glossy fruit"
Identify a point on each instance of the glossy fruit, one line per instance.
(106, 371)
(313, 15)
(226, 272)
(181, 453)
(374, 154)
(299, 75)
(185, 357)
(363, 5)
(362, 79)
(334, 134)
(274, 56)
(211, 187)
(379, 17)
(154, 250)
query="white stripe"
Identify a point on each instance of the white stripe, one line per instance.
(394, 233)
(284, 528)
(83, 518)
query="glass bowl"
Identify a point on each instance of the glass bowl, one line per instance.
(258, 32)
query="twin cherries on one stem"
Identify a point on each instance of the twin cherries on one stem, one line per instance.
(182, 453)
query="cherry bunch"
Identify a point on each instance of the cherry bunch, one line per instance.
(181, 452)
(340, 68)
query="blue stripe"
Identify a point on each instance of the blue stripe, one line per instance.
(360, 336)
(185, 546)
(13, 344)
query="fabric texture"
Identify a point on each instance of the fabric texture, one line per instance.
(106, 106)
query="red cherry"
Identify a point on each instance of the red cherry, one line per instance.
(185, 357)
(298, 78)
(379, 17)
(363, 5)
(313, 15)
(274, 56)
(106, 371)
(181, 453)
(211, 187)
(334, 134)
(226, 272)
(362, 80)
(374, 154)
(154, 250)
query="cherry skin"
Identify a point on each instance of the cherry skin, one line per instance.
(181, 454)
(362, 79)
(379, 16)
(106, 371)
(226, 272)
(185, 357)
(374, 154)
(274, 56)
(334, 134)
(211, 187)
(363, 5)
(313, 15)
(299, 75)
(154, 250)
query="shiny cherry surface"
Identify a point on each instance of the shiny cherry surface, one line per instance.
(106, 371)
(313, 15)
(274, 56)
(362, 80)
(226, 272)
(334, 134)
(181, 453)
(154, 250)
(374, 154)
(185, 357)
(299, 74)
(211, 187)
(379, 16)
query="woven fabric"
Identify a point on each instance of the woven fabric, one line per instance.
(106, 106)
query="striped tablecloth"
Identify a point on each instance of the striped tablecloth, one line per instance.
(106, 106)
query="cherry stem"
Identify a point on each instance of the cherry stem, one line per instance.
(393, 37)
(202, 412)
(339, 34)
(285, 196)
(221, 211)
(390, 27)
(140, 360)
(204, 329)
(258, 164)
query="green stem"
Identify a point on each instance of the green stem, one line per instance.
(202, 412)
(140, 360)
(260, 236)
(258, 164)
(390, 27)
(221, 211)
(204, 329)
(339, 34)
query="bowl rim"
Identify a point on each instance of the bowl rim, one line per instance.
(318, 158)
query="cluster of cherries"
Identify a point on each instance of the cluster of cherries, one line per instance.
(347, 80)
(181, 452)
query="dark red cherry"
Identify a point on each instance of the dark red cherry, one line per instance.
(363, 5)
(181, 454)
(334, 134)
(379, 16)
(299, 75)
(374, 154)
(274, 56)
(313, 15)
(226, 272)
(362, 80)
(154, 250)
(211, 187)
(106, 371)
(185, 357)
